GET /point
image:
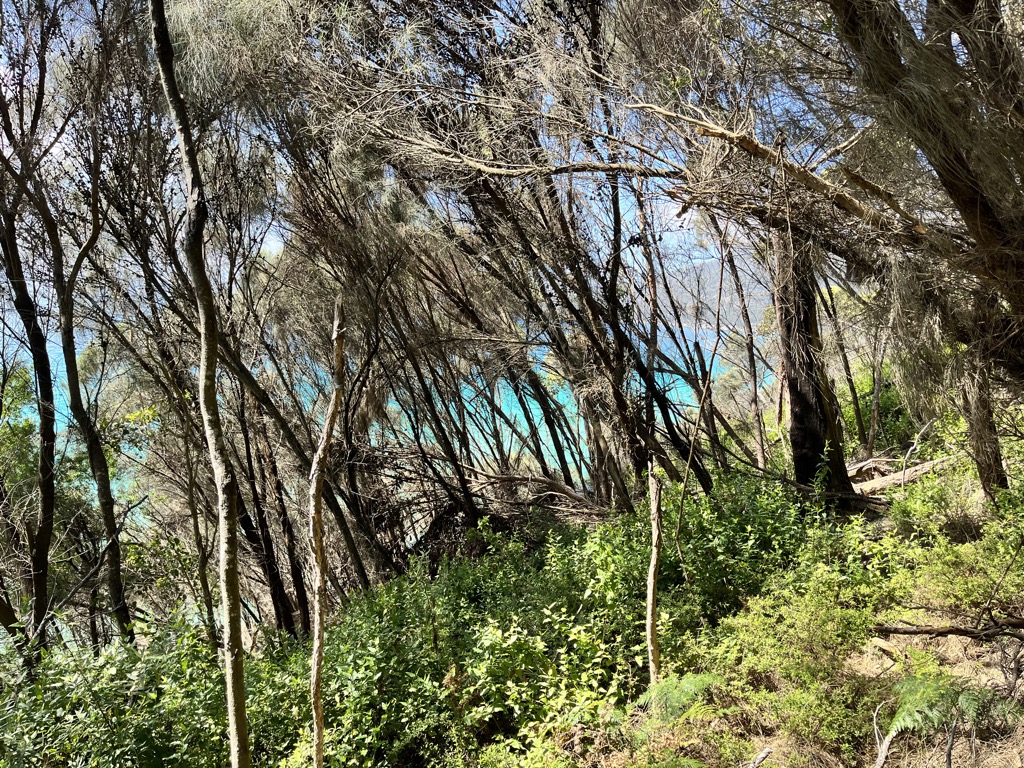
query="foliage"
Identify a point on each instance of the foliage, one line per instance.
(727, 544)
(935, 702)
(533, 653)
(161, 706)
(675, 696)
(523, 647)
(897, 427)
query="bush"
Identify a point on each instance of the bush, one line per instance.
(722, 548)
(160, 706)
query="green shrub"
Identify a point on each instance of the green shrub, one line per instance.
(722, 548)
(534, 654)
(160, 706)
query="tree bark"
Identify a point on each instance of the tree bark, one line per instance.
(878, 381)
(271, 480)
(982, 433)
(97, 459)
(653, 646)
(283, 611)
(749, 344)
(40, 538)
(829, 305)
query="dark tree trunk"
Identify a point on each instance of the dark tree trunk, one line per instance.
(257, 534)
(815, 435)
(283, 611)
(829, 305)
(271, 481)
(40, 536)
(97, 461)
(751, 350)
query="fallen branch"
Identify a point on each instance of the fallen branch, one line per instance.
(997, 627)
(762, 757)
(553, 486)
(871, 487)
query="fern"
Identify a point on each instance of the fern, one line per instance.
(675, 697)
(924, 703)
(932, 702)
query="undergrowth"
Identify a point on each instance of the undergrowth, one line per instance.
(534, 654)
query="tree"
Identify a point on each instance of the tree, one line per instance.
(227, 501)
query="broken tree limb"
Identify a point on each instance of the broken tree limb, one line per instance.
(872, 487)
(996, 627)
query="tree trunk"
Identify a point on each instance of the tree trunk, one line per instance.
(227, 493)
(316, 537)
(815, 436)
(381, 558)
(97, 458)
(748, 330)
(283, 611)
(256, 532)
(877, 381)
(707, 413)
(653, 648)
(271, 481)
(982, 433)
(829, 305)
(40, 537)
(543, 400)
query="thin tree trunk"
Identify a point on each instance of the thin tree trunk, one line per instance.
(883, 750)
(708, 412)
(543, 399)
(257, 534)
(381, 558)
(64, 285)
(97, 461)
(653, 647)
(748, 330)
(283, 609)
(203, 563)
(227, 493)
(829, 306)
(271, 481)
(316, 537)
(876, 398)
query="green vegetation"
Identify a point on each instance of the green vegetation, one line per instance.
(533, 653)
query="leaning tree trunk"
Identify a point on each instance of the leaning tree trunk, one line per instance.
(757, 421)
(981, 431)
(40, 539)
(815, 436)
(273, 487)
(97, 461)
(828, 303)
(227, 493)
